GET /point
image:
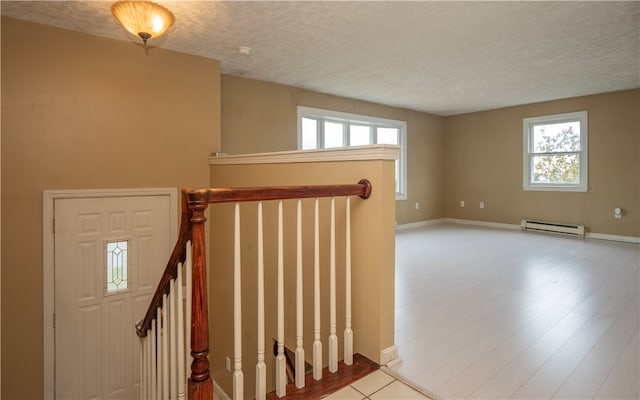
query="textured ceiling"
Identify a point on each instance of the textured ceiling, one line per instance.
(440, 57)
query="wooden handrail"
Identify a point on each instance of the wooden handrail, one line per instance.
(171, 270)
(226, 195)
(194, 203)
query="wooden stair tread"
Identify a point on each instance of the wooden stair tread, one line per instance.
(329, 383)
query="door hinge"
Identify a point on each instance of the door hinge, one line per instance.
(54, 321)
(53, 225)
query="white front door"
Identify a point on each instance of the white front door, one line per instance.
(109, 256)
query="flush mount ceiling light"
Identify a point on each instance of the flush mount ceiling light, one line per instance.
(143, 18)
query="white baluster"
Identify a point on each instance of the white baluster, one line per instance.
(299, 363)
(181, 327)
(142, 359)
(333, 338)
(261, 368)
(189, 286)
(238, 377)
(160, 355)
(154, 360)
(151, 352)
(173, 356)
(165, 350)
(143, 368)
(281, 362)
(317, 344)
(348, 333)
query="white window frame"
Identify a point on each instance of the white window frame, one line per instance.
(347, 119)
(527, 127)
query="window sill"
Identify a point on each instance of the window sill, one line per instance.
(556, 188)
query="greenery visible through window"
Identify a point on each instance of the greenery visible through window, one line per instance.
(555, 152)
(321, 129)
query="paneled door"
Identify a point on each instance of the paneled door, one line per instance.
(109, 256)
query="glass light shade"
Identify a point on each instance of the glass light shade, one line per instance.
(143, 18)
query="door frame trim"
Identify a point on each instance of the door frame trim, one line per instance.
(48, 246)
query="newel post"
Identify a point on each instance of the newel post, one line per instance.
(200, 383)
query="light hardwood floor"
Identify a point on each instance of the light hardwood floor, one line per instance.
(487, 313)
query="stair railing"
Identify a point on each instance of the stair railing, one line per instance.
(172, 367)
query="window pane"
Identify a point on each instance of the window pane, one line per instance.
(117, 266)
(551, 138)
(388, 136)
(359, 135)
(333, 134)
(563, 168)
(309, 134)
(332, 129)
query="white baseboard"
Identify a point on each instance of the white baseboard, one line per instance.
(589, 235)
(389, 355)
(615, 238)
(483, 223)
(393, 363)
(420, 224)
(218, 393)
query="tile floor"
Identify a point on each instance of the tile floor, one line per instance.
(379, 385)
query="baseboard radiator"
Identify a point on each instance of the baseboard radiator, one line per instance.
(554, 227)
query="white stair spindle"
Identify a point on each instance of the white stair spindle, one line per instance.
(299, 363)
(281, 362)
(317, 344)
(261, 368)
(165, 350)
(173, 356)
(333, 338)
(150, 353)
(180, 343)
(143, 372)
(348, 333)
(238, 377)
(160, 355)
(154, 360)
(189, 286)
(141, 343)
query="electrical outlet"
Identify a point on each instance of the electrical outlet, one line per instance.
(482, 204)
(461, 203)
(617, 213)
(417, 205)
(228, 360)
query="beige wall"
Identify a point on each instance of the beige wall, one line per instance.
(373, 255)
(478, 155)
(81, 111)
(260, 117)
(484, 163)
